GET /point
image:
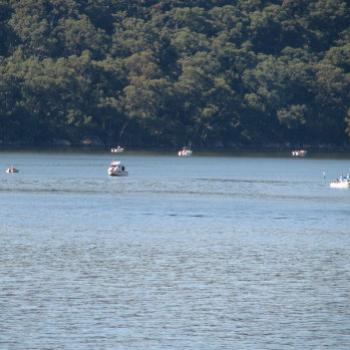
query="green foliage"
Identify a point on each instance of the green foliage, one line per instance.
(152, 72)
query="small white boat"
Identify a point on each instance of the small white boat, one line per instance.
(341, 182)
(12, 170)
(299, 153)
(184, 152)
(117, 150)
(116, 168)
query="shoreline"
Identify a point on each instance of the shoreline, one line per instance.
(238, 151)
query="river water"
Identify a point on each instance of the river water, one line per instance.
(207, 252)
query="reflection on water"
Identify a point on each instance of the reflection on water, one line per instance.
(198, 253)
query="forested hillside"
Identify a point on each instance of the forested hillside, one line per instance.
(172, 72)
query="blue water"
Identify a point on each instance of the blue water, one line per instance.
(204, 252)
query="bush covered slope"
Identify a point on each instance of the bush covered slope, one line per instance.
(169, 72)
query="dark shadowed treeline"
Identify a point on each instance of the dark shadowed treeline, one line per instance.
(172, 72)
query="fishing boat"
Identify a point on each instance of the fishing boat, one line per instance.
(117, 150)
(12, 170)
(299, 153)
(184, 152)
(116, 168)
(340, 182)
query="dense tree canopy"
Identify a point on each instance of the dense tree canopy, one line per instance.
(146, 72)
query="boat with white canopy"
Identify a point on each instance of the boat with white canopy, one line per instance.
(116, 168)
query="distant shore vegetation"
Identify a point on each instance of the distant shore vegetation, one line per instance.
(208, 73)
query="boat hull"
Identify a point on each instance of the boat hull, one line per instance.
(299, 153)
(11, 171)
(345, 184)
(117, 150)
(113, 172)
(117, 173)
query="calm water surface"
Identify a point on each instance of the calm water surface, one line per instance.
(194, 253)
